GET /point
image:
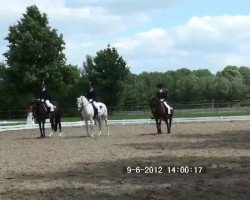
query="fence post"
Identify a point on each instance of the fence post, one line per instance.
(212, 104)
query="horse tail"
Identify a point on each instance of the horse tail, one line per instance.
(105, 112)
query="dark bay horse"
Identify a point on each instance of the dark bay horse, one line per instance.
(39, 111)
(160, 113)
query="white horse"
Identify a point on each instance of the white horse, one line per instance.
(87, 112)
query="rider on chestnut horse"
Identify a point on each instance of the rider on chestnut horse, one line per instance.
(162, 96)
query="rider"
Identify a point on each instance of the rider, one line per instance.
(92, 97)
(44, 97)
(162, 96)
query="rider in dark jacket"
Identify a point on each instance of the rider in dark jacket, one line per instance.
(92, 98)
(162, 96)
(44, 94)
(44, 97)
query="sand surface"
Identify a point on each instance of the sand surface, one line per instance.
(78, 167)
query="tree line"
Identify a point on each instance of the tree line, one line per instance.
(35, 55)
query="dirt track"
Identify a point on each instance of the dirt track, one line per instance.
(78, 167)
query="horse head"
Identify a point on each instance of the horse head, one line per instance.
(81, 102)
(154, 102)
(35, 107)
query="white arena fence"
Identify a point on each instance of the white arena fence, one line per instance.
(18, 125)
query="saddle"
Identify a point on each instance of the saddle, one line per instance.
(48, 111)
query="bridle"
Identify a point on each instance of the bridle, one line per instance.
(82, 105)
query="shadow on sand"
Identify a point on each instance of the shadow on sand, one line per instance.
(223, 178)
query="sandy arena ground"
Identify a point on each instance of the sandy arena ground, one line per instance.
(78, 167)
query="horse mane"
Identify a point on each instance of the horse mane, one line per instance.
(153, 101)
(83, 98)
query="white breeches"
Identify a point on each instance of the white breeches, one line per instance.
(50, 105)
(93, 102)
(167, 106)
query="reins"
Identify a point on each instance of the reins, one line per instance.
(83, 106)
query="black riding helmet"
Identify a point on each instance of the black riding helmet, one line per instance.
(160, 86)
(44, 87)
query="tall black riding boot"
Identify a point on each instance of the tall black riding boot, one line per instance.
(95, 112)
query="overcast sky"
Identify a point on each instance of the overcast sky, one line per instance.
(150, 35)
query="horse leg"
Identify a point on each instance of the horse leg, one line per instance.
(106, 123)
(99, 121)
(91, 127)
(59, 124)
(158, 125)
(170, 122)
(156, 121)
(52, 126)
(87, 127)
(40, 128)
(167, 123)
(43, 128)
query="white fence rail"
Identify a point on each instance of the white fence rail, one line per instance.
(17, 125)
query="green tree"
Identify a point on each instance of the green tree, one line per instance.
(202, 73)
(3, 87)
(109, 71)
(239, 89)
(245, 73)
(224, 88)
(35, 54)
(208, 87)
(230, 71)
(3, 72)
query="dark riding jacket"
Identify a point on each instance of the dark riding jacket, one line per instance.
(91, 95)
(44, 95)
(161, 95)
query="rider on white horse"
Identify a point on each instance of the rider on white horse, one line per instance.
(44, 97)
(92, 98)
(162, 96)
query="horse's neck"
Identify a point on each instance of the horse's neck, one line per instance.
(42, 107)
(87, 108)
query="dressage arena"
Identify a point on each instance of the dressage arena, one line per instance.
(78, 167)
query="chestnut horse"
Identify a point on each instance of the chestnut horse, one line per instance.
(160, 113)
(40, 114)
